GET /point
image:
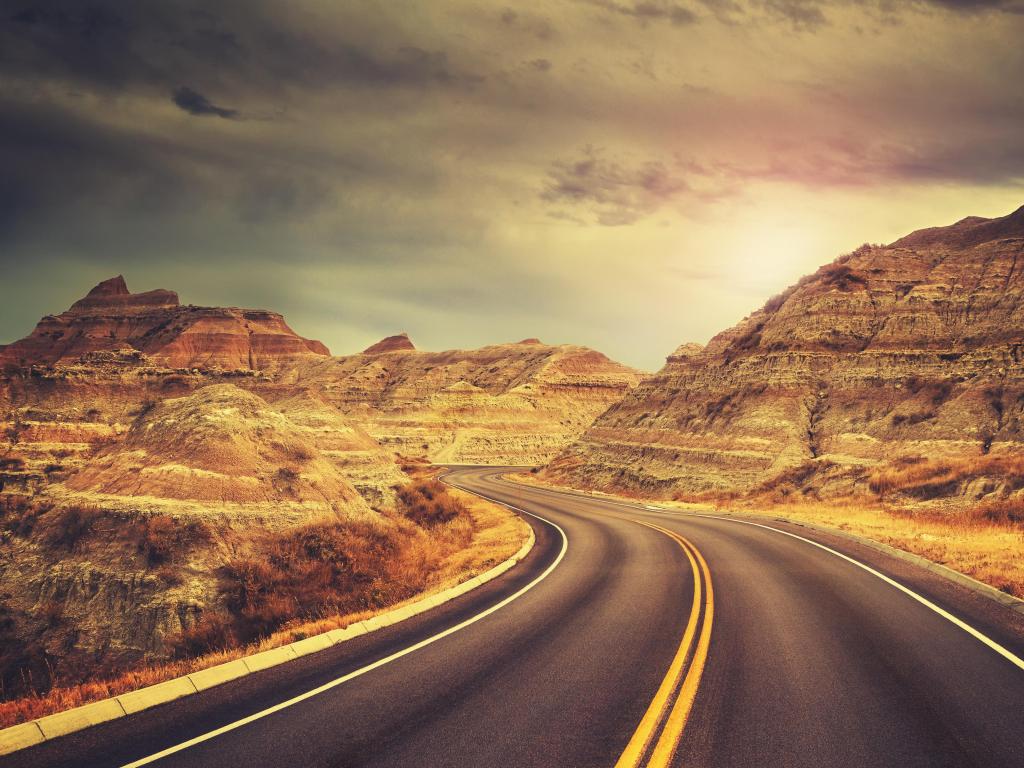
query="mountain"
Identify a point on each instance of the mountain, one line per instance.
(148, 451)
(395, 343)
(895, 370)
(110, 318)
(501, 404)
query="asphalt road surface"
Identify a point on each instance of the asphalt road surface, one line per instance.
(629, 636)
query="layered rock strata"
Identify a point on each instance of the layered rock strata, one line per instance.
(890, 356)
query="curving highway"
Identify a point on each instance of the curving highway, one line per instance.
(629, 636)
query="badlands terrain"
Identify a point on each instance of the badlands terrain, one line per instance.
(172, 478)
(178, 483)
(895, 373)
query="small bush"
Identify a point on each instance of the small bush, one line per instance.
(162, 536)
(69, 526)
(1005, 511)
(144, 408)
(213, 632)
(428, 503)
(841, 276)
(12, 463)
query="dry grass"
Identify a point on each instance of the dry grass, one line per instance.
(925, 479)
(968, 541)
(483, 537)
(984, 541)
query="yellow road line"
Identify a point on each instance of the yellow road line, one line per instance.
(655, 713)
(666, 747)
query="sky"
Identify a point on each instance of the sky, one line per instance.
(624, 174)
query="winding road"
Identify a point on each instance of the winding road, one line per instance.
(629, 636)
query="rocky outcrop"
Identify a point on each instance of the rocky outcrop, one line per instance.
(501, 404)
(395, 343)
(222, 444)
(890, 355)
(111, 318)
(124, 548)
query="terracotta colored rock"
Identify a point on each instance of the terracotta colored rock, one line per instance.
(110, 318)
(398, 343)
(501, 404)
(886, 355)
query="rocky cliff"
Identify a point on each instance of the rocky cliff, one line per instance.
(502, 404)
(899, 361)
(111, 318)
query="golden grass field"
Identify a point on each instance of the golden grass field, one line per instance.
(468, 547)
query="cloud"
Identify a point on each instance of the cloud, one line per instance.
(612, 192)
(158, 45)
(394, 148)
(803, 14)
(195, 103)
(649, 10)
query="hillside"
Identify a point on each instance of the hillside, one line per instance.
(127, 551)
(157, 460)
(894, 371)
(501, 404)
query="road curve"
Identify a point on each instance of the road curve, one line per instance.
(698, 641)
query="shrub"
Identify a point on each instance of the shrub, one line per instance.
(70, 525)
(428, 503)
(841, 276)
(213, 632)
(144, 408)
(12, 463)
(1006, 511)
(160, 537)
(315, 570)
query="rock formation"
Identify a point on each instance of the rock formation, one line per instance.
(501, 404)
(143, 444)
(221, 444)
(395, 343)
(891, 357)
(110, 318)
(127, 550)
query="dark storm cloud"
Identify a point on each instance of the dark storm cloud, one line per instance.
(112, 45)
(970, 6)
(195, 103)
(648, 10)
(804, 14)
(811, 15)
(380, 148)
(612, 192)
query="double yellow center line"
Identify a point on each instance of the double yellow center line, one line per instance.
(670, 708)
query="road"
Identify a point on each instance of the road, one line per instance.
(629, 636)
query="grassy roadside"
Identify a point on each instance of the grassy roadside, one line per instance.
(988, 550)
(494, 535)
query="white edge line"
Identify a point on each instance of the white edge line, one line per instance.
(976, 634)
(1001, 650)
(369, 667)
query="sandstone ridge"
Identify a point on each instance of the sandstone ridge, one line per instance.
(907, 357)
(110, 318)
(397, 343)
